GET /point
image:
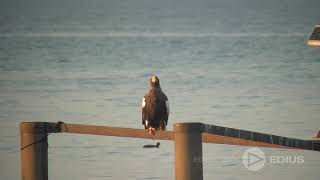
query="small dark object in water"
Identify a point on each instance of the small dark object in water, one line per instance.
(151, 145)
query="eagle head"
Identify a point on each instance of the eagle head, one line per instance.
(154, 81)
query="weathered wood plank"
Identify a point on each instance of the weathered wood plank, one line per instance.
(314, 39)
(210, 134)
(226, 135)
(115, 131)
(218, 139)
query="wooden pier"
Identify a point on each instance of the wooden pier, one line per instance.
(187, 137)
(314, 39)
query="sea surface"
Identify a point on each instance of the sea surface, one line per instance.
(234, 63)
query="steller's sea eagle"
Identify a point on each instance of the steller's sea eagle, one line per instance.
(155, 107)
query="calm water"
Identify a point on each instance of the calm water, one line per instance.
(236, 63)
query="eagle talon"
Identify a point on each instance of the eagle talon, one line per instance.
(152, 131)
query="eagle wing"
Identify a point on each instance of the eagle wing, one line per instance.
(144, 117)
(155, 110)
(167, 111)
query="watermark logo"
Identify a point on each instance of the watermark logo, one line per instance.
(253, 159)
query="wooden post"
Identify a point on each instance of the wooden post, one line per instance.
(188, 151)
(34, 150)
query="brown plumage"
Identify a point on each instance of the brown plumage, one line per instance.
(155, 107)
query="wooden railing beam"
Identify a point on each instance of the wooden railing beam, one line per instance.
(115, 131)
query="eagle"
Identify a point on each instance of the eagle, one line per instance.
(155, 108)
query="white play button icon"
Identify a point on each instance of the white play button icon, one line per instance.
(253, 159)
